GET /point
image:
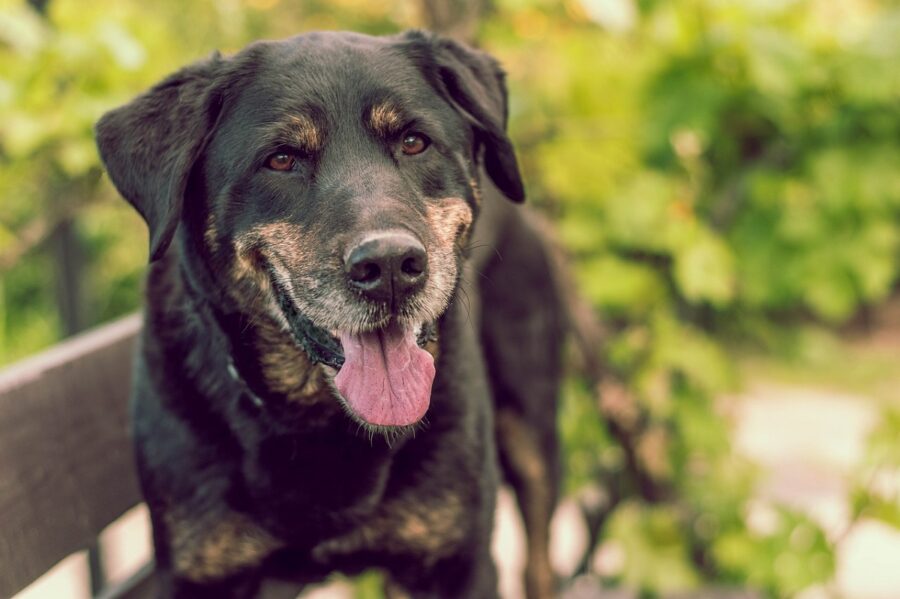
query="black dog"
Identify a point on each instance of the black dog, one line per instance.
(325, 330)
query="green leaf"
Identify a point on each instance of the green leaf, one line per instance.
(22, 30)
(656, 557)
(77, 156)
(619, 285)
(705, 271)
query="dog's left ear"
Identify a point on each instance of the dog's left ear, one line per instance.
(474, 83)
(150, 144)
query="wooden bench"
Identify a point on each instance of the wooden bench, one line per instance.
(66, 467)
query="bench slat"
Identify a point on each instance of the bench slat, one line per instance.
(66, 466)
(139, 586)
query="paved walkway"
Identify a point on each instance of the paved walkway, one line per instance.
(809, 443)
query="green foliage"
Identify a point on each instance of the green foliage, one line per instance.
(658, 555)
(589, 450)
(721, 166)
(713, 168)
(784, 561)
(873, 496)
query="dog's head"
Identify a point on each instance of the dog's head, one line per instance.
(328, 181)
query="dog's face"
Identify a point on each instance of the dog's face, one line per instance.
(329, 182)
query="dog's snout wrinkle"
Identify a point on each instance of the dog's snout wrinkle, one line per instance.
(387, 267)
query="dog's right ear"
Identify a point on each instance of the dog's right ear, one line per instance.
(150, 144)
(474, 84)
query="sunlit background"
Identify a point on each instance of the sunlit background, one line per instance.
(725, 177)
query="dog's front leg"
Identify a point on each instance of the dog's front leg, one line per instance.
(209, 553)
(470, 574)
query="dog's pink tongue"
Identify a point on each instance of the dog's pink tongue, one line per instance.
(386, 377)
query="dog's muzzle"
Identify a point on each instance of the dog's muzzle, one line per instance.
(384, 376)
(387, 267)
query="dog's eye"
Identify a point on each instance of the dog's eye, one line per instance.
(280, 161)
(414, 143)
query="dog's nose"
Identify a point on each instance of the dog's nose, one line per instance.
(388, 267)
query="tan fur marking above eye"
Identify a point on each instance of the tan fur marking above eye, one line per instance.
(207, 550)
(385, 119)
(305, 132)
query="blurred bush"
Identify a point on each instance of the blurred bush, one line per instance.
(717, 169)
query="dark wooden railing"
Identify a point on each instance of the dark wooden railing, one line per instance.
(66, 467)
(65, 460)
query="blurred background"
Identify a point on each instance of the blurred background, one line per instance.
(725, 178)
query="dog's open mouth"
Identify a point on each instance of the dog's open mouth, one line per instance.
(384, 375)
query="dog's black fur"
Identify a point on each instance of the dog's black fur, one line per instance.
(251, 463)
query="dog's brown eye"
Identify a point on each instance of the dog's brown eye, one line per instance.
(414, 143)
(280, 161)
